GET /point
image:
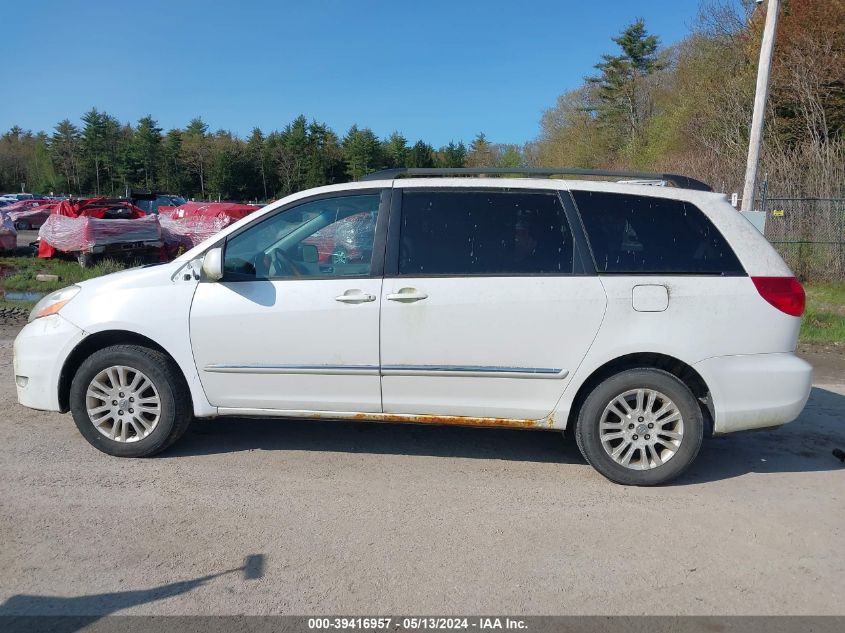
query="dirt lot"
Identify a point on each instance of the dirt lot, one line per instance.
(365, 518)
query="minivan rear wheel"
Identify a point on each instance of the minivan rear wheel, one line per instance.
(130, 401)
(640, 427)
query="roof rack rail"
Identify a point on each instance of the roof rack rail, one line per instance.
(684, 182)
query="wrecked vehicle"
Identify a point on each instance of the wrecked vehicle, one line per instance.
(152, 202)
(8, 233)
(191, 223)
(100, 227)
(346, 240)
(29, 214)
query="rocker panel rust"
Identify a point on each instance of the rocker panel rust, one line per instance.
(546, 423)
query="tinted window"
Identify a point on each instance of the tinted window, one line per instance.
(640, 234)
(325, 238)
(483, 233)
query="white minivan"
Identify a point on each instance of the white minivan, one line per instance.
(638, 317)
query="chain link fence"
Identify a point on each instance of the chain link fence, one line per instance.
(809, 233)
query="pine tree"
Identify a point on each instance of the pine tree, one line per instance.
(452, 155)
(622, 102)
(146, 147)
(421, 155)
(257, 153)
(170, 167)
(361, 152)
(395, 149)
(93, 142)
(481, 152)
(65, 148)
(195, 151)
(40, 171)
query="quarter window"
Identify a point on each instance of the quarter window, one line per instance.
(483, 233)
(325, 238)
(642, 234)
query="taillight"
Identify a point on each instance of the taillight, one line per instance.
(785, 293)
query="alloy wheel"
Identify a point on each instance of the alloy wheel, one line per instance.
(641, 429)
(123, 404)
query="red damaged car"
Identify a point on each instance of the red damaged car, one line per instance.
(29, 214)
(100, 227)
(340, 242)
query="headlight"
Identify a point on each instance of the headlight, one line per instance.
(53, 302)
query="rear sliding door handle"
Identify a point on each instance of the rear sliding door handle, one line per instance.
(355, 296)
(407, 295)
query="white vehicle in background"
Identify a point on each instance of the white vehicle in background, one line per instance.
(639, 318)
(16, 197)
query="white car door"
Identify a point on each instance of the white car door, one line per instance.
(294, 323)
(482, 314)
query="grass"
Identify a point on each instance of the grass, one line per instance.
(17, 306)
(823, 323)
(24, 269)
(824, 318)
(19, 276)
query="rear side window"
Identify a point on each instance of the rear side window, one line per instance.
(640, 234)
(483, 233)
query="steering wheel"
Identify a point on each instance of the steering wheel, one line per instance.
(281, 257)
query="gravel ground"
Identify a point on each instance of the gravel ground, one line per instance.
(352, 518)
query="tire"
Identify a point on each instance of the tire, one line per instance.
(22, 225)
(651, 462)
(147, 432)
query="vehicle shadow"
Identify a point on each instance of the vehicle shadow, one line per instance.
(226, 435)
(61, 614)
(805, 445)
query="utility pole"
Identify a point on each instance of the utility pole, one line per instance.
(763, 70)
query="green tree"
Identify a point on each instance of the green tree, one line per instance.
(421, 155)
(361, 152)
(196, 151)
(40, 171)
(481, 152)
(172, 174)
(124, 166)
(229, 167)
(66, 149)
(16, 147)
(146, 146)
(623, 103)
(292, 155)
(325, 164)
(395, 150)
(570, 135)
(94, 142)
(510, 156)
(256, 150)
(452, 155)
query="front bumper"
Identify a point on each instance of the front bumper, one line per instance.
(756, 391)
(41, 349)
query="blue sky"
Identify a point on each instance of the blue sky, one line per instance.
(430, 69)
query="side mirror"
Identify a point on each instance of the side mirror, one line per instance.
(212, 265)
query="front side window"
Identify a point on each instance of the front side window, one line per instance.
(642, 234)
(333, 237)
(483, 233)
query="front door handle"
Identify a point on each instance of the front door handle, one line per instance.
(355, 296)
(407, 295)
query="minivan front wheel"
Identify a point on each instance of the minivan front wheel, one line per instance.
(641, 427)
(130, 401)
